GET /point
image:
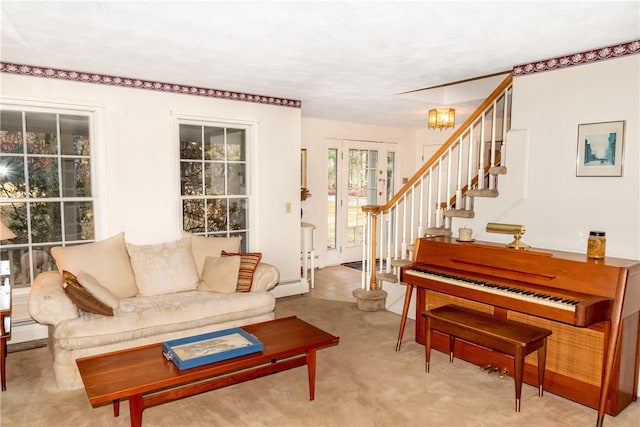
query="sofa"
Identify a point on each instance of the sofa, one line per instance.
(111, 295)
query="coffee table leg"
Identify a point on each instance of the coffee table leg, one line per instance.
(116, 408)
(136, 405)
(311, 369)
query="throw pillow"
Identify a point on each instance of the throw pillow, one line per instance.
(82, 298)
(106, 260)
(248, 263)
(92, 285)
(202, 247)
(220, 274)
(164, 268)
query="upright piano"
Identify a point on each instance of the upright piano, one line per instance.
(591, 306)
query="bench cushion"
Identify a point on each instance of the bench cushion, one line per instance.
(485, 329)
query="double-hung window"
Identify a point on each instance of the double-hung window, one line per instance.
(46, 194)
(214, 183)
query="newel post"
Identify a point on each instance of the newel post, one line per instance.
(373, 299)
(374, 210)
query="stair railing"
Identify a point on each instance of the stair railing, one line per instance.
(464, 167)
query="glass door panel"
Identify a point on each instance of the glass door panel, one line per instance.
(365, 177)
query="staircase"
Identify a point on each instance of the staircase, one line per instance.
(466, 166)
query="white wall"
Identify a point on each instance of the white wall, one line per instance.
(137, 161)
(558, 208)
(315, 133)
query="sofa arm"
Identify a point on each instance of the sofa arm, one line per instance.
(265, 278)
(48, 304)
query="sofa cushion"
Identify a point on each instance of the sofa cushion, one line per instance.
(248, 263)
(106, 260)
(164, 268)
(202, 247)
(220, 274)
(92, 285)
(82, 298)
(144, 316)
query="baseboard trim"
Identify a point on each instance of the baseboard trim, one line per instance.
(27, 331)
(287, 289)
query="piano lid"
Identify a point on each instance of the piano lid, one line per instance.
(556, 269)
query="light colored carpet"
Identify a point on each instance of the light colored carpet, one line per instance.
(360, 382)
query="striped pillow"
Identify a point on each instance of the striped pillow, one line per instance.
(248, 263)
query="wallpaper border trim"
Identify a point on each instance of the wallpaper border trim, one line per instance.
(589, 56)
(79, 76)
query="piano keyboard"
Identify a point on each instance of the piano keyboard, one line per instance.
(506, 291)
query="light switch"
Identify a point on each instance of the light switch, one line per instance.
(287, 207)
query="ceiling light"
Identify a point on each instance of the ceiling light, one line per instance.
(442, 118)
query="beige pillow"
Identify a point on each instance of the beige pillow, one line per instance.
(103, 294)
(220, 274)
(106, 260)
(203, 247)
(164, 268)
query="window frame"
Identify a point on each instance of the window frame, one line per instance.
(94, 114)
(249, 127)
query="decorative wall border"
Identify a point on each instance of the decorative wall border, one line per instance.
(54, 73)
(609, 52)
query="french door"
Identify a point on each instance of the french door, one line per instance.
(359, 173)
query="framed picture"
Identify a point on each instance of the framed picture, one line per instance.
(208, 348)
(600, 149)
(303, 168)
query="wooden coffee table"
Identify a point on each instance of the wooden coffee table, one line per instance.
(144, 377)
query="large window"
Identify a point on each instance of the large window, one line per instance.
(214, 181)
(46, 196)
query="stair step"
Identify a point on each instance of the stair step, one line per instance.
(485, 192)
(400, 262)
(437, 231)
(498, 170)
(459, 213)
(387, 277)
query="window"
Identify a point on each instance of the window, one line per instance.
(46, 195)
(213, 173)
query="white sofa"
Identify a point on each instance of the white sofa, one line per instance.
(150, 298)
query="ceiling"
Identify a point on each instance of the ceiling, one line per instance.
(345, 60)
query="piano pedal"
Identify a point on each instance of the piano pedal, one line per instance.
(486, 368)
(504, 373)
(495, 370)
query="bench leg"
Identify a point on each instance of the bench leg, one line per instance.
(427, 343)
(452, 344)
(542, 360)
(518, 361)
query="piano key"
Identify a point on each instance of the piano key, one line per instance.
(507, 291)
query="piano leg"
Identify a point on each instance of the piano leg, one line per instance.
(405, 312)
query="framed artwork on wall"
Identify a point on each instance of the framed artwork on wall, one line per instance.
(600, 149)
(303, 168)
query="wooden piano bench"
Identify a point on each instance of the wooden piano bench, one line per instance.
(506, 336)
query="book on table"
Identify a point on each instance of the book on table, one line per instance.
(212, 347)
